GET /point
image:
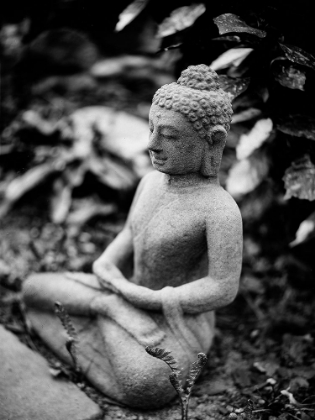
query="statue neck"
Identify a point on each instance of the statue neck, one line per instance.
(189, 180)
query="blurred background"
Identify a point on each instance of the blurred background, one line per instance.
(77, 80)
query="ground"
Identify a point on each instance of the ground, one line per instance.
(262, 363)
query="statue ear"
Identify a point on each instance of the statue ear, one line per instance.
(213, 151)
(218, 134)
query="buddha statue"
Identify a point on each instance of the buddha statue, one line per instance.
(177, 259)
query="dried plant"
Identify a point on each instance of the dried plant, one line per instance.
(183, 391)
(72, 340)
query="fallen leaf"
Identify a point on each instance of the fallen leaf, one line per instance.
(180, 19)
(234, 57)
(246, 115)
(297, 383)
(288, 394)
(234, 86)
(299, 179)
(254, 139)
(305, 231)
(299, 56)
(130, 13)
(298, 126)
(268, 367)
(241, 377)
(247, 174)
(229, 22)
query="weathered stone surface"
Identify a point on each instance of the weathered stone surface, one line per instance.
(177, 259)
(29, 392)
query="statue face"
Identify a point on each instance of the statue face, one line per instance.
(175, 147)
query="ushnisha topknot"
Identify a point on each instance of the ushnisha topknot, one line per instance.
(198, 96)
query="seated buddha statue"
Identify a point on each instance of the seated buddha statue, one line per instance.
(175, 262)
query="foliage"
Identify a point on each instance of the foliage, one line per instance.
(269, 69)
(184, 392)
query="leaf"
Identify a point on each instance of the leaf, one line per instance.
(85, 211)
(246, 115)
(254, 139)
(180, 19)
(195, 370)
(112, 173)
(247, 174)
(305, 231)
(229, 22)
(130, 13)
(165, 356)
(233, 56)
(298, 126)
(299, 56)
(299, 179)
(290, 77)
(234, 86)
(24, 183)
(292, 400)
(60, 202)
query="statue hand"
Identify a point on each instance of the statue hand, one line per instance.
(107, 275)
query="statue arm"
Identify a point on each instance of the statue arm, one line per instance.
(220, 286)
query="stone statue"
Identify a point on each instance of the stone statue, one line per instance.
(177, 259)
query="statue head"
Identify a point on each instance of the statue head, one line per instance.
(200, 111)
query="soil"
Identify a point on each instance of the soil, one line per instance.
(262, 363)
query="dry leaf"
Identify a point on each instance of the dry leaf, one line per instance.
(180, 19)
(247, 174)
(234, 56)
(254, 139)
(128, 15)
(229, 22)
(299, 179)
(305, 231)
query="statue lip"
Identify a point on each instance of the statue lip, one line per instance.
(157, 159)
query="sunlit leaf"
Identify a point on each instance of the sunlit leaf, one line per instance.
(180, 19)
(254, 139)
(130, 13)
(60, 202)
(85, 210)
(229, 22)
(290, 77)
(298, 126)
(112, 173)
(24, 183)
(299, 56)
(299, 179)
(234, 86)
(305, 231)
(234, 57)
(246, 115)
(245, 175)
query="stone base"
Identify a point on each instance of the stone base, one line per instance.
(29, 392)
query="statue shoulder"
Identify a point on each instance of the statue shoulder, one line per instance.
(221, 205)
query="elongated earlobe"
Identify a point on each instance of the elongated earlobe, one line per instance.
(213, 151)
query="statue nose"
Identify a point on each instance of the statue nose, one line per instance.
(154, 143)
